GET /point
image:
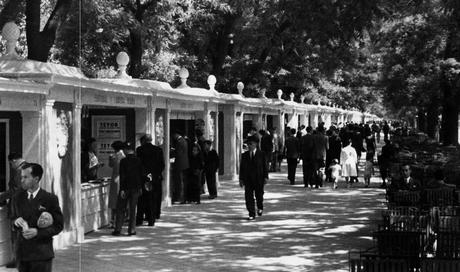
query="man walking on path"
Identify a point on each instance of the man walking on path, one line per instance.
(321, 144)
(308, 157)
(211, 165)
(253, 177)
(292, 150)
(37, 218)
(131, 182)
(152, 160)
(180, 166)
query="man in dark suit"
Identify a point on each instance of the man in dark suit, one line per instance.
(308, 157)
(180, 166)
(35, 240)
(131, 182)
(253, 177)
(406, 182)
(292, 150)
(211, 165)
(321, 145)
(149, 203)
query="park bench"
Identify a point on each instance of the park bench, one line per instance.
(448, 245)
(378, 265)
(448, 224)
(439, 197)
(440, 265)
(410, 244)
(401, 210)
(403, 198)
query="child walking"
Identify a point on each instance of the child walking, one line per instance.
(335, 169)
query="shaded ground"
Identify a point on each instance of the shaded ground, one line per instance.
(301, 230)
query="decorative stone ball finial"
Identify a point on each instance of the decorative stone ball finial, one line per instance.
(183, 74)
(279, 93)
(212, 82)
(10, 33)
(302, 98)
(292, 95)
(240, 87)
(122, 61)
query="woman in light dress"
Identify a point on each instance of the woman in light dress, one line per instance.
(349, 161)
(114, 162)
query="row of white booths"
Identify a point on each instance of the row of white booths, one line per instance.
(48, 110)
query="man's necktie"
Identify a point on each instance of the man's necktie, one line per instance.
(31, 197)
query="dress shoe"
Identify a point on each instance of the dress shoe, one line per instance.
(260, 212)
(151, 224)
(211, 197)
(116, 233)
(251, 218)
(11, 264)
(131, 233)
(183, 202)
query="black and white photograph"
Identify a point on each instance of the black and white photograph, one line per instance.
(230, 135)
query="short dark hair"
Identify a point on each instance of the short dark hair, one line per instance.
(129, 146)
(117, 145)
(309, 129)
(37, 169)
(14, 156)
(146, 138)
(293, 130)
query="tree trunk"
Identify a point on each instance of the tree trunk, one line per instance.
(39, 43)
(222, 45)
(135, 51)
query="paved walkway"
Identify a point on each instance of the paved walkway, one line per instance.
(301, 230)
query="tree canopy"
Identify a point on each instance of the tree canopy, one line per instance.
(394, 58)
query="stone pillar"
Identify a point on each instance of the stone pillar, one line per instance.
(49, 146)
(230, 152)
(239, 139)
(216, 140)
(207, 120)
(150, 119)
(314, 119)
(76, 160)
(167, 147)
(280, 124)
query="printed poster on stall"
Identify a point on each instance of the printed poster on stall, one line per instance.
(106, 129)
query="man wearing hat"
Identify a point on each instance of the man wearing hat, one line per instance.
(253, 177)
(37, 218)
